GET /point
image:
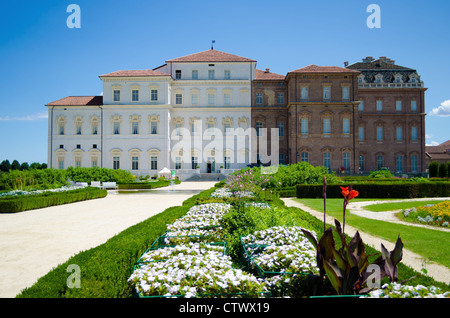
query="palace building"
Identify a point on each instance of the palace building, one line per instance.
(212, 112)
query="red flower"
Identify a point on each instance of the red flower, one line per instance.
(349, 194)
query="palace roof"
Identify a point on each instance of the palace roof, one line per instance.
(211, 56)
(135, 73)
(323, 69)
(78, 101)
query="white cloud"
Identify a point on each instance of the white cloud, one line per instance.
(433, 143)
(33, 117)
(442, 110)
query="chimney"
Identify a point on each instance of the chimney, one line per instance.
(346, 63)
(368, 59)
(267, 70)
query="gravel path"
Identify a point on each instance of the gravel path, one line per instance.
(438, 272)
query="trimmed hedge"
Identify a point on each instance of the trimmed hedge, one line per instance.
(12, 204)
(379, 190)
(146, 185)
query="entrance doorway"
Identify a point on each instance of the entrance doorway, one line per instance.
(211, 165)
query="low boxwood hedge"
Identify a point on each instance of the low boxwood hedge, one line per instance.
(146, 185)
(379, 190)
(18, 203)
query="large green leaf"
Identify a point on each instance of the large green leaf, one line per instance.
(334, 275)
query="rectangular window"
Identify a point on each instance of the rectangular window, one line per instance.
(116, 163)
(154, 163)
(281, 159)
(379, 162)
(177, 74)
(193, 128)
(399, 163)
(227, 99)
(259, 98)
(227, 129)
(413, 105)
(379, 105)
(414, 163)
(227, 162)
(94, 129)
(116, 128)
(304, 126)
(211, 99)
(227, 74)
(326, 126)
(280, 98)
(361, 106)
(135, 95)
(194, 74)
(134, 128)
(379, 133)
(361, 133)
(194, 99)
(345, 92)
(178, 99)
(154, 128)
(327, 160)
(94, 163)
(326, 92)
(178, 163)
(399, 133)
(116, 96)
(178, 129)
(414, 133)
(346, 126)
(398, 105)
(210, 74)
(305, 156)
(259, 126)
(78, 129)
(154, 95)
(61, 129)
(280, 129)
(304, 92)
(134, 163)
(361, 163)
(194, 161)
(60, 164)
(346, 161)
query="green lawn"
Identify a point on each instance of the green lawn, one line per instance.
(431, 244)
(399, 205)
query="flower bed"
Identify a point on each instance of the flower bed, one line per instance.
(282, 256)
(279, 250)
(395, 290)
(161, 254)
(203, 275)
(201, 216)
(190, 260)
(431, 214)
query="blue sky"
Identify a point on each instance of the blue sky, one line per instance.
(42, 60)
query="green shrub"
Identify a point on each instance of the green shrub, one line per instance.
(18, 203)
(443, 170)
(380, 190)
(382, 173)
(433, 168)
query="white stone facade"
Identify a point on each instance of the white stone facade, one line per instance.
(152, 119)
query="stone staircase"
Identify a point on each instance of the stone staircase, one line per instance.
(207, 177)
